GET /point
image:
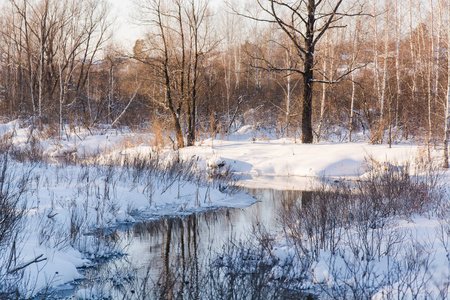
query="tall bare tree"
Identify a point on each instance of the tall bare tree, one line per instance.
(176, 42)
(305, 22)
(445, 163)
(355, 50)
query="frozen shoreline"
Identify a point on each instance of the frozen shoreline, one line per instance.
(100, 196)
(65, 204)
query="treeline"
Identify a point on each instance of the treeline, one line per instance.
(379, 67)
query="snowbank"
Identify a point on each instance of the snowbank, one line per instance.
(285, 164)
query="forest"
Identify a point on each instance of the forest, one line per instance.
(201, 69)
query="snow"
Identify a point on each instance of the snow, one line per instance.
(284, 160)
(65, 196)
(62, 195)
(94, 293)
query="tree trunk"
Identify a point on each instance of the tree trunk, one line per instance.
(447, 109)
(192, 112)
(308, 76)
(413, 56)
(438, 53)
(173, 113)
(288, 104)
(352, 108)
(446, 129)
(431, 64)
(307, 132)
(397, 61)
(354, 55)
(385, 70)
(288, 92)
(324, 91)
(377, 75)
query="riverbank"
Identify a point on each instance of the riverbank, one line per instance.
(67, 202)
(70, 212)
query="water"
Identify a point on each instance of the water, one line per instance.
(171, 255)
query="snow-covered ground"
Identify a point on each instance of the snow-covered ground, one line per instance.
(279, 159)
(66, 202)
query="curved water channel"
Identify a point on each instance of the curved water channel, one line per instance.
(165, 248)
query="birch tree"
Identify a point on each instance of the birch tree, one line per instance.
(397, 59)
(447, 103)
(356, 41)
(414, 88)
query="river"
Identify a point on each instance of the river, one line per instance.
(169, 256)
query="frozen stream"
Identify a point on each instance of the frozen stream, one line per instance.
(166, 246)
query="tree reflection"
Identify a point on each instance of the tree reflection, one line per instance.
(203, 256)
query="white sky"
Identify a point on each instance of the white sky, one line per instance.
(127, 32)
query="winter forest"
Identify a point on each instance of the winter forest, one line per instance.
(380, 68)
(224, 149)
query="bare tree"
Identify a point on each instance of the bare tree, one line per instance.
(356, 41)
(397, 59)
(447, 108)
(197, 15)
(158, 53)
(177, 41)
(54, 40)
(324, 89)
(385, 68)
(305, 23)
(413, 54)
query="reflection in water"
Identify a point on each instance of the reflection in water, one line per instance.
(172, 258)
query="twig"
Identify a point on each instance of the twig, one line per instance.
(23, 266)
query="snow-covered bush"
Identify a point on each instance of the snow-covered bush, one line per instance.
(13, 186)
(351, 231)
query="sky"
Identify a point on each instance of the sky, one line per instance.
(127, 31)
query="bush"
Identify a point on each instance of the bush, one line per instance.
(349, 227)
(12, 210)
